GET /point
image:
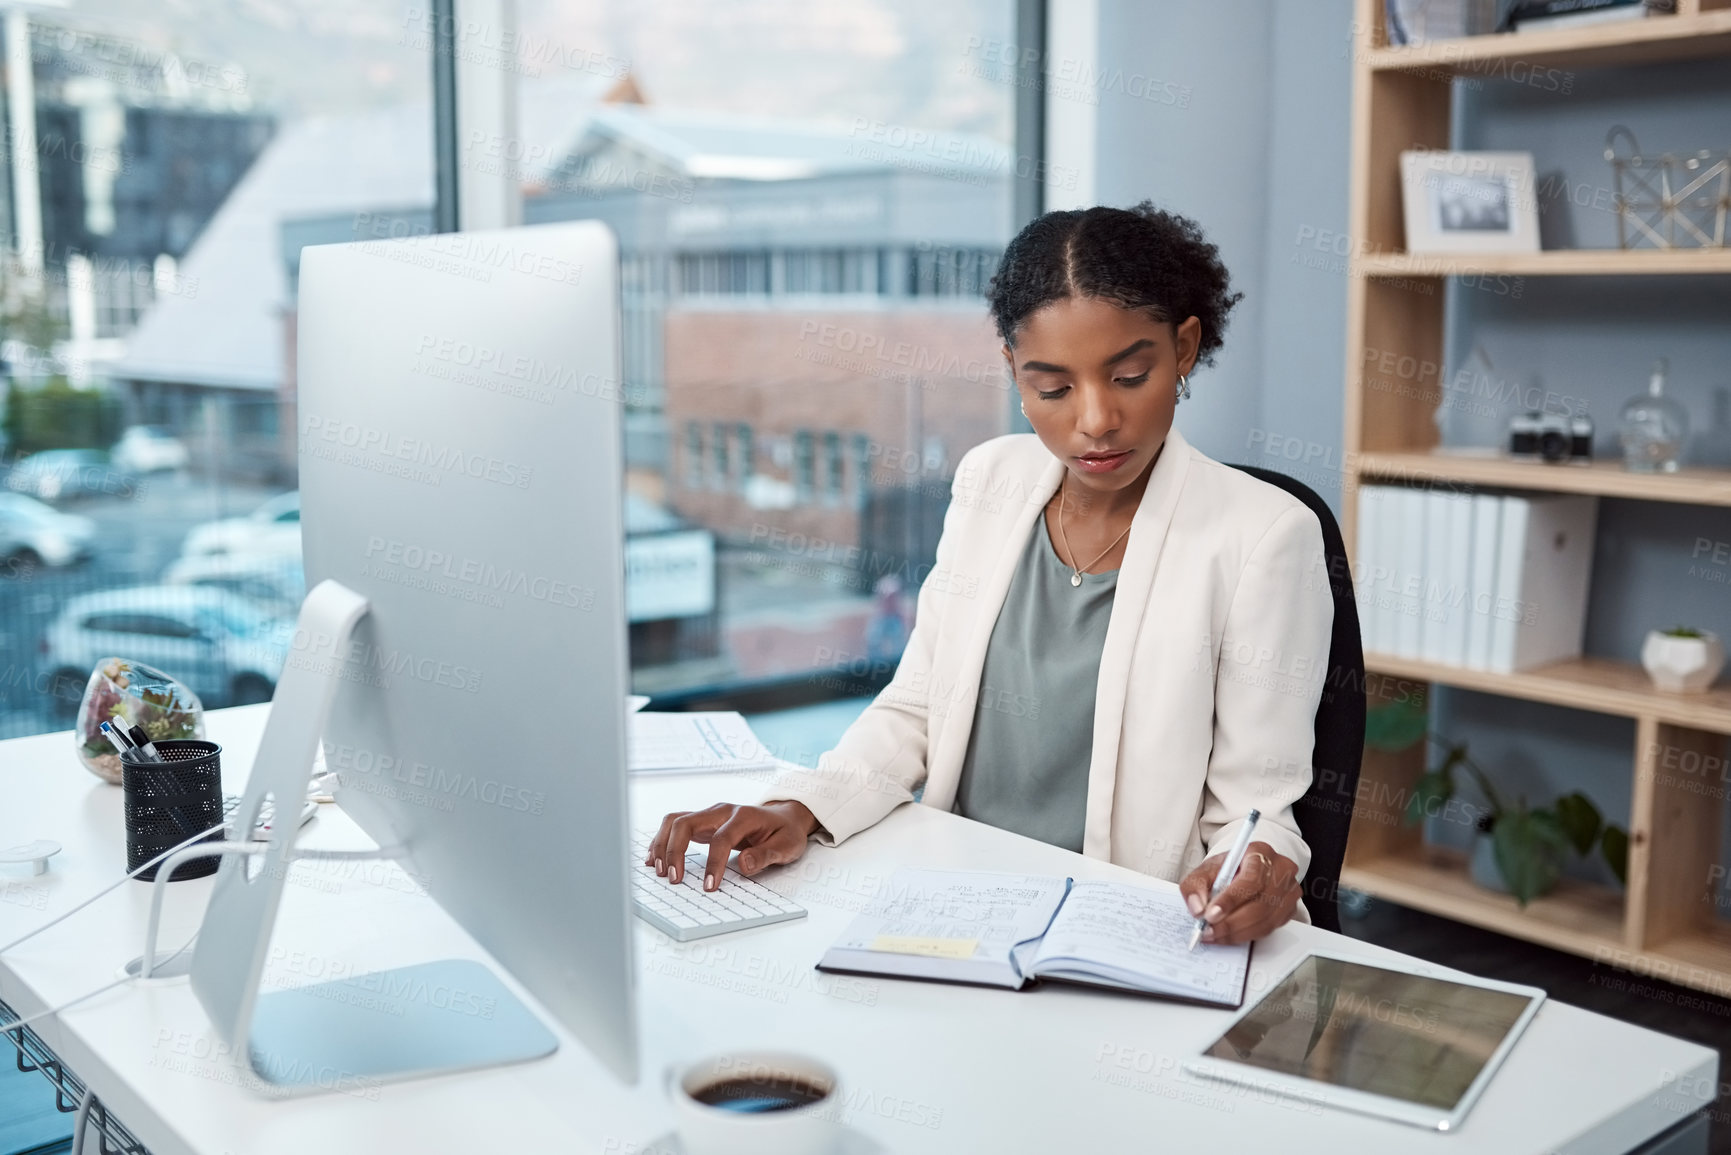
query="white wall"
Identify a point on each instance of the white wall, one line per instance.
(1233, 113)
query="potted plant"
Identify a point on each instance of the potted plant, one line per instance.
(1682, 659)
(1518, 849)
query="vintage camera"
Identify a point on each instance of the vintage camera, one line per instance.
(1552, 437)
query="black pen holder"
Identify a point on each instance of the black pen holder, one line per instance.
(170, 801)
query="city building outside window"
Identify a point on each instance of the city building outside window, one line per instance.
(862, 469)
(804, 465)
(833, 467)
(693, 455)
(747, 455)
(718, 442)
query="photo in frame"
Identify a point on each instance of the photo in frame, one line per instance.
(1469, 202)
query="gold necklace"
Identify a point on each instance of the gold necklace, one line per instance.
(1076, 577)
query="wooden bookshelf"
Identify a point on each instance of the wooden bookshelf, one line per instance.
(1665, 923)
(1577, 917)
(1599, 685)
(1555, 263)
(1473, 468)
(1691, 34)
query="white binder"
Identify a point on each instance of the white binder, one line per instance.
(1544, 556)
(1448, 570)
(1487, 521)
(1368, 569)
(1408, 508)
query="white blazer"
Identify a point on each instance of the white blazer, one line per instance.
(1213, 664)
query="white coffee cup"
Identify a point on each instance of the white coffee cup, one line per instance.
(706, 1129)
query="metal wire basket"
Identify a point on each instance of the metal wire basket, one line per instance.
(34, 1055)
(1669, 201)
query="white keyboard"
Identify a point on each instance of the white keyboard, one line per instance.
(687, 911)
(267, 814)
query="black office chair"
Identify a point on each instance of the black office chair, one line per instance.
(1324, 814)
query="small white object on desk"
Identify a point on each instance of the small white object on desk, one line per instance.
(35, 853)
(715, 740)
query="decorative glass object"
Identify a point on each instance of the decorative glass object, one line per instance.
(1669, 201)
(1655, 428)
(133, 694)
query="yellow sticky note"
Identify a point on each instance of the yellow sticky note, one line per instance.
(958, 948)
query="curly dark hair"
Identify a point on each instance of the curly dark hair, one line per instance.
(1138, 258)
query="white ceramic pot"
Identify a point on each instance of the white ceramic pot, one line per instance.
(1683, 665)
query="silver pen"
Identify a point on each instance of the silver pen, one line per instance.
(145, 746)
(112, 732)
(1228, 870)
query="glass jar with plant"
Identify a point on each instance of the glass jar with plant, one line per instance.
(132, 694)
(1520, 846)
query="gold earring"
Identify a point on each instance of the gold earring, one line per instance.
(1024, 409)
(1183, 386)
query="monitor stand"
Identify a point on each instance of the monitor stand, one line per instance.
(352, 1034)
(355, 1033)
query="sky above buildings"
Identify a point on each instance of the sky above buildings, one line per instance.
(925, 63)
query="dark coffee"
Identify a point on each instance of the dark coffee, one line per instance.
(756, 1095)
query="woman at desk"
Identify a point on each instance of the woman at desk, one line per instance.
(1121, 648)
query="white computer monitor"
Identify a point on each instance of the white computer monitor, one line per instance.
(464, 647)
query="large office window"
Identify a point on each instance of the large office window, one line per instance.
(808, 213)
(164, 166)
(813, 211)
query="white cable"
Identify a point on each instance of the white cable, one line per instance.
(82, 1121)
(8, 1028)
(39, 1016)
(219, 849)
(57, 919)
(166, 871)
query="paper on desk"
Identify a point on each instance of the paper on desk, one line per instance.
(938, 912)
(1145, 933)
(717, 740)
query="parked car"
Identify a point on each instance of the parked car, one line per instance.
(33, 534)
(272, 528)
(64, 473)
(220, 645)
(148, 449)
(275, 582)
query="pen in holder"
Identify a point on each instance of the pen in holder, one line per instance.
(170, 800)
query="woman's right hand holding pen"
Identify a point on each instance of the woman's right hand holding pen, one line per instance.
(1262, 896)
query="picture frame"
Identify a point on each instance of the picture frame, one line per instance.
(1469, 202)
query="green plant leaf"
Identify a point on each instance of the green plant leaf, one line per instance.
(1459, 753)
(1528, 845)
(1580, 821)
(1433, 788)
(1396, 725)
(1614, 845)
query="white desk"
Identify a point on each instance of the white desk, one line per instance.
(927, 1067)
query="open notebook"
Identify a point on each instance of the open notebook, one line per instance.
(1007, 930)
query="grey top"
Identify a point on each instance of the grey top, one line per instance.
(1026, 767)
